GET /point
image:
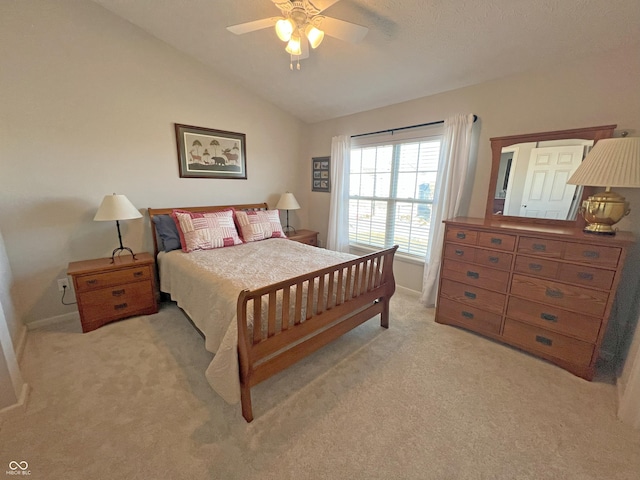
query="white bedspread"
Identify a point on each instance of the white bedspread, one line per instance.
(206, 285)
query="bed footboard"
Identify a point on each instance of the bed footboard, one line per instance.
(282, 323)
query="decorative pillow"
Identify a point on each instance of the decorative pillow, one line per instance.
(259, 225)
(168, 232)
(205, 231)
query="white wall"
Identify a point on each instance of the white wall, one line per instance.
(599, 90)
(88, 108)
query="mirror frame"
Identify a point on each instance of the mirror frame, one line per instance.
(497, 143)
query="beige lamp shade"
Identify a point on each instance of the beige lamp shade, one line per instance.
(287, 202)
(612, 162)
(116, 207)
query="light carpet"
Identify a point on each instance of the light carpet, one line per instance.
(417, 401)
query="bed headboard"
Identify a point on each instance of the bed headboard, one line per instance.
(216, 208)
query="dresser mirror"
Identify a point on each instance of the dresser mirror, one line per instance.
(529, 175)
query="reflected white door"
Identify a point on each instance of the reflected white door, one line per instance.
(546, 193)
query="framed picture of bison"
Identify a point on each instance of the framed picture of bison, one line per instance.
(207, 153)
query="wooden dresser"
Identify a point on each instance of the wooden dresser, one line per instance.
(546, 290)
(107, 291)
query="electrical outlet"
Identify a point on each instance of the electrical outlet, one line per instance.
(62, 284)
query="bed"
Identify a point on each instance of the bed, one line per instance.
(264, 305)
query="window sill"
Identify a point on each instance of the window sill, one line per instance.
(362, 250)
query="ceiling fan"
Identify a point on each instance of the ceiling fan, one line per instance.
(301, 26)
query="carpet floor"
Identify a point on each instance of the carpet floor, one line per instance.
(417, 401)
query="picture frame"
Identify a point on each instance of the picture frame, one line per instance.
(208, 153)
(321, 174)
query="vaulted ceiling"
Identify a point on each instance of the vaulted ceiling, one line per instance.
(414, 48)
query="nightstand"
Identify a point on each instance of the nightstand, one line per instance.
(107, 291)
(304, 236)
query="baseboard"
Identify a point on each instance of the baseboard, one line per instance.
(407, 290)
(45, 322)
(20, 405)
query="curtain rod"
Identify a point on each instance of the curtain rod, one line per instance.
(391, 130)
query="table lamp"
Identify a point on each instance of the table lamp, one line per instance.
(117, 207)
(288, 202)
(612, 162)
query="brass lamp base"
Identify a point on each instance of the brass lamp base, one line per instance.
(603, 210)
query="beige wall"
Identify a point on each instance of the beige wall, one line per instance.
(600, 90)
(88, 107)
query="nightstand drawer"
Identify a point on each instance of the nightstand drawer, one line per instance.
(118, 301)
(84, 283)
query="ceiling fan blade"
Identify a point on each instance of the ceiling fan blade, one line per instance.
(321, 5)
(349, 32)
(253, 26)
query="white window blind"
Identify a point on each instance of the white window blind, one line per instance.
(391, 185)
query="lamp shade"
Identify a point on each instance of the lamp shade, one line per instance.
(116, 207)
(612, 162)
(287, 202)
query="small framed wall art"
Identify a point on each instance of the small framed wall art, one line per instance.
(207, 153)
(321, 174)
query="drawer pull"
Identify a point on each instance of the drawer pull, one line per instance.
(461, 235)
(120, 306)
(92, 282)
(138, 274)
(118, 293)
(471, 274)
(494, 259)
(590, 254)
(544, 340)
(548, 317)
(470, 295)
(539, 247)
(550, 292)
(467, 314)
(536, 267)
(460, 253)
(585, 275)
(496, 241)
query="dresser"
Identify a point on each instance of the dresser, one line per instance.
(543, 289)
(108, 291)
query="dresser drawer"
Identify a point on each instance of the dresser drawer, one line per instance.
(461, 235)
(588, 276)
(118, 301)
(541, 247)
(579, 299)
(469, 317)
(553, 318)
(494, 259)
(83, 283)
(592, 254)
(460, 252)
(474, 296)
(537, 266)
(547, 342)
(475, 275)
(499, 241)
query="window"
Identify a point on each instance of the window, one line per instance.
(391, 187)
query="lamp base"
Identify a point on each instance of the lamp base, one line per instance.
(119, 250)
(603, 210)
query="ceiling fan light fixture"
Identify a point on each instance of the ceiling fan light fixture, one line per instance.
(293, 47)
(284, 29)
(314, 35)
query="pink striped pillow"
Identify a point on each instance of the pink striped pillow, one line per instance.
(205, 231)
(259, 225)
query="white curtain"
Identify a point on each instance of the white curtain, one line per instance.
(338, 234)
(452, 181)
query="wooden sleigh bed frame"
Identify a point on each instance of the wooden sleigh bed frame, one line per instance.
(326, 304)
